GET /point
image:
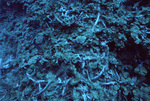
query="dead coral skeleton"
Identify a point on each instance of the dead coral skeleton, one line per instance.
(39, 81)
(84, 90)
(2, 97)
(64, 85)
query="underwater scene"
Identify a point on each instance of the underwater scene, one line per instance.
(74, 50)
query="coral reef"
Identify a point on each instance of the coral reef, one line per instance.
(74, 50)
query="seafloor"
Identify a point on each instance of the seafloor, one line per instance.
(74, 50)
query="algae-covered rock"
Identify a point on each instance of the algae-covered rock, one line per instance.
(33, 59)
(80, 39)
(39, 38)
(135, 32)
(93, 64)
(140, 70)
(126, 91)
(145, 89)
(94, 94)
(112, 59)
(136, 92)
(75, 94)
